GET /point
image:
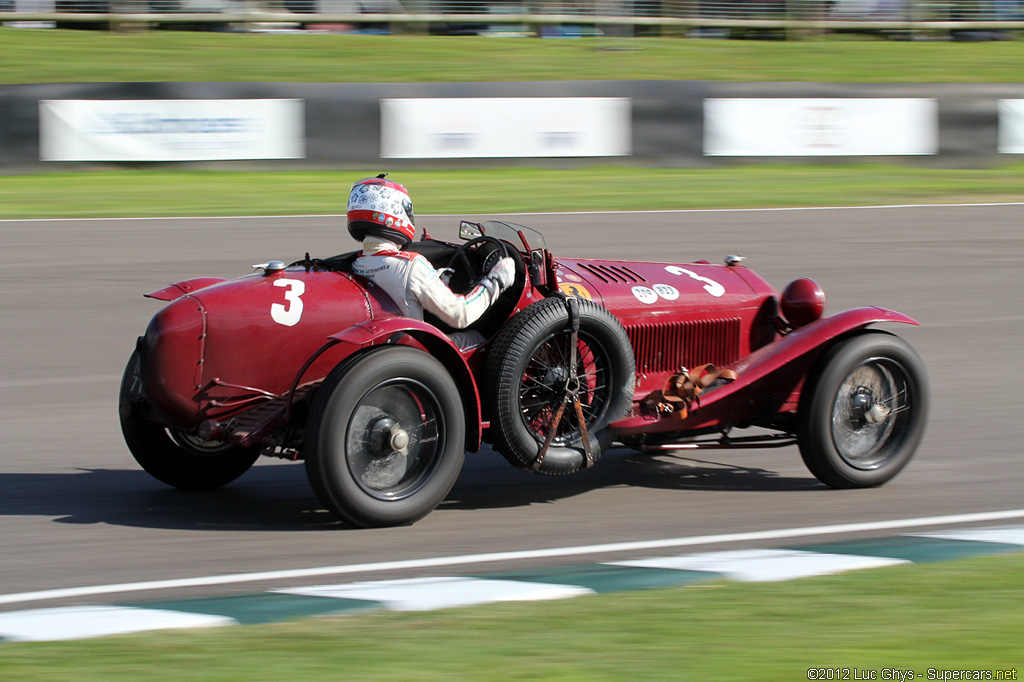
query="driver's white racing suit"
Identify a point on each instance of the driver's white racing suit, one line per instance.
(414, 285)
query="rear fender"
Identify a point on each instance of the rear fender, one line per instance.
(179, 289)
(430, 338)
(769, 379)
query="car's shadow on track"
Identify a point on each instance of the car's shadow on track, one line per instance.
(495, 484)
(278, 496)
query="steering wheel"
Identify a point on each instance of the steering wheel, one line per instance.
(476, 271)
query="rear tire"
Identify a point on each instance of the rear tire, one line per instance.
(385, 439)
(171, 455)
(864, 412)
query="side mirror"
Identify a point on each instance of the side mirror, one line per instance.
(468, 230)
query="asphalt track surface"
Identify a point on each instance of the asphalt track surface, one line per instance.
(75, 509)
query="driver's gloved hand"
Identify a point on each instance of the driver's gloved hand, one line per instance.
(446, 275)
(501, 276)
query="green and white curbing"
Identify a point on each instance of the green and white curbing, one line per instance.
(424, 594)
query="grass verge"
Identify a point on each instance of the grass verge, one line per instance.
(155, 192)
(64, 56)
(962, 615)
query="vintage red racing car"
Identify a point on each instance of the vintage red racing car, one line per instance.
(309, 361)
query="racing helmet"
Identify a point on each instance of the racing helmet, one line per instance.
(380, 208)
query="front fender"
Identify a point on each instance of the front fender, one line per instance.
(768, 380)
(434, 341)
(811, 337)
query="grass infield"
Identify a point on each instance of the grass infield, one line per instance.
(66, 56)
(960, 615)
(156, 192)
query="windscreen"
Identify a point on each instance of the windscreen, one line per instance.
(510, 232)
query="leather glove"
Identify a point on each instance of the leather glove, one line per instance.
(503, 274)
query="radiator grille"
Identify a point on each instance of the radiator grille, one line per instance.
(667, 346)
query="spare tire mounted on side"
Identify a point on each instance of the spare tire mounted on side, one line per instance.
(529, 376)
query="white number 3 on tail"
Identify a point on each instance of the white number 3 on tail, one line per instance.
(289, 313)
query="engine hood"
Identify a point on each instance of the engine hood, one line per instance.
(642, 291)
(247, 337)
(677, 314)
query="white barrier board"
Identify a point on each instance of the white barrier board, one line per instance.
(1011, 126)
(505, 127)
(171, 130)
(820, 127)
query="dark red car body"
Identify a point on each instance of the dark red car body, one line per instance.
(237, 363)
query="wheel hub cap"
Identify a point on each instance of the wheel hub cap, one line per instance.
(865, 409)
(388, 438)
(555, 378)
(399, 439)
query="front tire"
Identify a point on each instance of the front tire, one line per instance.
(864, 411)
(386, 437)
(172, 455)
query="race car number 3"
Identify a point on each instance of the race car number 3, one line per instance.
(290, 312)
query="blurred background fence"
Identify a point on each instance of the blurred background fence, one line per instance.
(664, 124)
(774, 19)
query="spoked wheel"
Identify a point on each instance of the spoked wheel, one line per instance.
(173, 455)
(547, 381)
(865, 413)
(547, 394)
(385, 440)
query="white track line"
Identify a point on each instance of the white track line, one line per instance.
(538, 213)
(639, 546)
(774, 209)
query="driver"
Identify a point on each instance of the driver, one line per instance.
(380, 215)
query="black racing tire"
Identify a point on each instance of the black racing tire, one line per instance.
(528, 363)
(863, 412)
(385, 438)
(172, 455)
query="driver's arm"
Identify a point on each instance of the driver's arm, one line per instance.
(458, 310)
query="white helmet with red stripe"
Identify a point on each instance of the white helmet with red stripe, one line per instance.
(381, 208)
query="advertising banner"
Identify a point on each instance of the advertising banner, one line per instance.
(171, 130)
(505, 127)
(1011, 126)
(820, 127)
